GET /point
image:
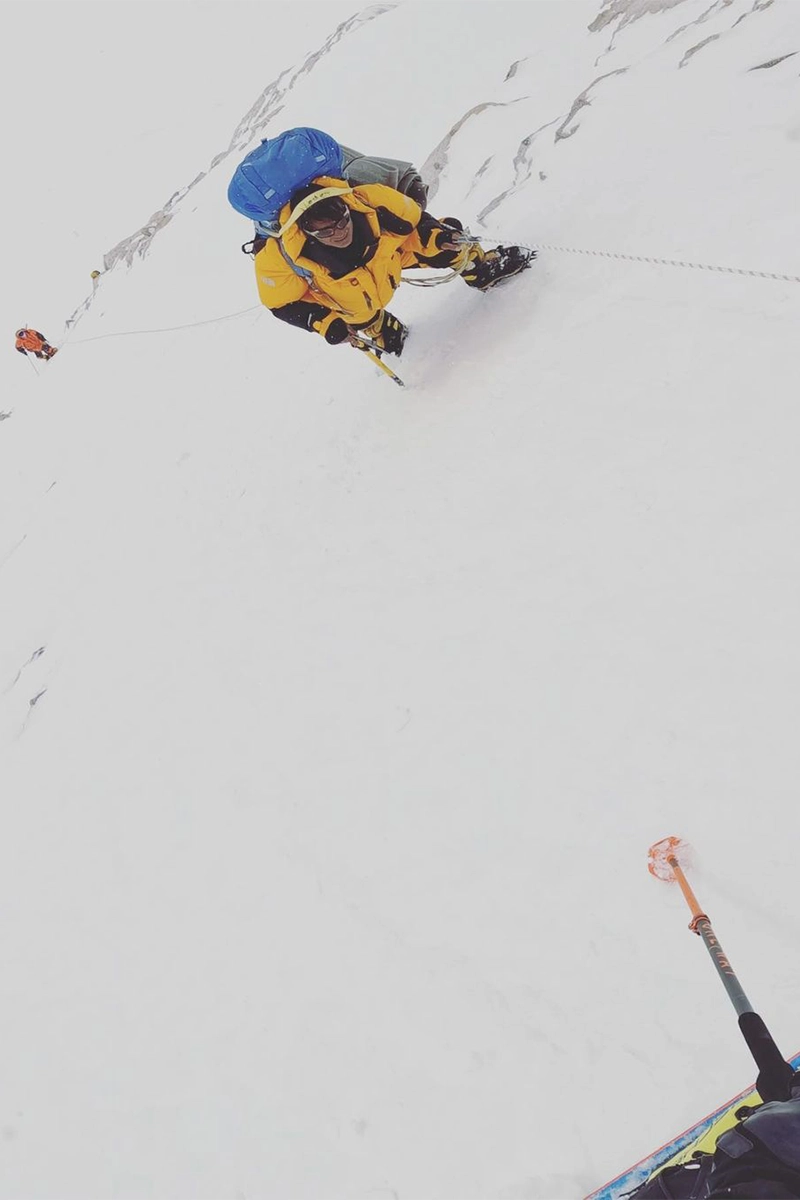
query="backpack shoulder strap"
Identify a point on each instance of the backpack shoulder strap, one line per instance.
(298, 270)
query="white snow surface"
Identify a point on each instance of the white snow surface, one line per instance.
(336, 721)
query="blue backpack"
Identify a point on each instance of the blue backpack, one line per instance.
(266, 179)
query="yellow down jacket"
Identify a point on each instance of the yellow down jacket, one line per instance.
(358, 296)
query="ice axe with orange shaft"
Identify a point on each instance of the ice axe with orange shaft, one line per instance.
(775, 1076)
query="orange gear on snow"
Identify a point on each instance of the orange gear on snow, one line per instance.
(30, 341)
(660, 856)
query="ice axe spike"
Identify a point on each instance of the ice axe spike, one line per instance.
(364, 347)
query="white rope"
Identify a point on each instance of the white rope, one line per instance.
(660, 262)
(168, 329)
(462, 236)
(448, 278)
(666, 262)
(451, 275)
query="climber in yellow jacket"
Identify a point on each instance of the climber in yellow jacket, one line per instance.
(341, 249)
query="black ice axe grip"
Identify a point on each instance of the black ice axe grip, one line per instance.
(775, 1076)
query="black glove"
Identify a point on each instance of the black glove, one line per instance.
(449, 240)
(427, 225)
(337, 332)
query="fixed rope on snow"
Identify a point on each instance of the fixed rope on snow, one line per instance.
(464, 237)
(643, 258)
(666, 262)
(170, 328)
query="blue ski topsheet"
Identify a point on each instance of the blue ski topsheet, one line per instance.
(637, 1174)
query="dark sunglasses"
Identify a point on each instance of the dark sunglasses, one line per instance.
(329, 230)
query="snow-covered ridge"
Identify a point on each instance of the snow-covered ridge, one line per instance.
(267, 106)
(635, 53)
(620, 14)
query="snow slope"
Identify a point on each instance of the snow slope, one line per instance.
(336, 720)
